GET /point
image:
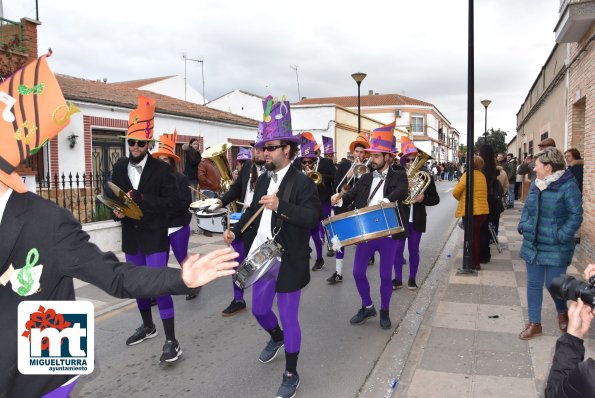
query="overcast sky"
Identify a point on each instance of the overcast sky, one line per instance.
(416, 48)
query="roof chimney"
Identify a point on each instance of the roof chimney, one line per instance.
(303, 98)
(370, 92)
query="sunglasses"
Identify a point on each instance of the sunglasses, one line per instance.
(408, 160)
(141, 144)
(272, 148)
(307, 162)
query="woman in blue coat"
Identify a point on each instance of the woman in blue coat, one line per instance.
(553, 212)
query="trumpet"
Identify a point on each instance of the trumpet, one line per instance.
(359, 169)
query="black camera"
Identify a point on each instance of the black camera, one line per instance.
(569, 288)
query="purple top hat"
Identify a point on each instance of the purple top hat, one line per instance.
(327, 143)
(308, 148)
(277, 121)
(244, 154)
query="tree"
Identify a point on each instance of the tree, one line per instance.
(496, 138)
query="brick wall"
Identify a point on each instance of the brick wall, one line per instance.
(581, 133)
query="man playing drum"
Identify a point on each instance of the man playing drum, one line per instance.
(291, 209)
(243, 190)
(383, 185)
(344, 180)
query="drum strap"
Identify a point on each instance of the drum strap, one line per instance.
(286, 195)
(375, 190)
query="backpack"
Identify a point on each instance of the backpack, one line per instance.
(495, 203)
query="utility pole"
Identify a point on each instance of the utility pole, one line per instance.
(295, 68)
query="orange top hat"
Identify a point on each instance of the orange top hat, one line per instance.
(407, 147)
(167, 146)
(141, 120)
(361, 139)
(33, 111)
(382, 139)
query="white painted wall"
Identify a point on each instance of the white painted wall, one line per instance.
(317, 119)
(73, 160)
(174, 87)
(239, 103)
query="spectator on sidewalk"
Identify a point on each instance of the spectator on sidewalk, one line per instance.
(570, 376)
(503, 179)
(480, 205)
(575, 164)
(518, 184)
(510, 167)
(191, 165)
(495, 192)
(529, 164)
(209, 179)
(553, 212)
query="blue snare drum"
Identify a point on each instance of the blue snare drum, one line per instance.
(362, 225)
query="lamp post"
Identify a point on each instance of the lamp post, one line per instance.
(359, 78)
(485, 104)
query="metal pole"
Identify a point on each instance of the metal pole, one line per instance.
(358, 109)
(202, 68)
(485, 130)
(185, 83)
(468, 240)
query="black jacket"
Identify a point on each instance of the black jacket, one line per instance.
(431, 198)
(65, 253)
(237, 190)
(299, 214)
(191, 166)
(178, 215)
(570, 376)
(395, 189)
(160, 193)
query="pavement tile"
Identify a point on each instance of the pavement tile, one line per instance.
(499, 295)
(521, 280)
(497, 386)
(542, 351)
(465, 279)
(448, 338)
(497, 278)
(501, 342)
(510, 318)
(454, 360)
(443, 384)
(462, 293)
(510, 364)
(496, 264)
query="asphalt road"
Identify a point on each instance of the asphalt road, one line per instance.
(220, 354)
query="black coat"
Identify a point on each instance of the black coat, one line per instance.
(179, 216)
(191, 166)
(299, 214)
(395, 189)
(570, 376)
(160, 193)
(237, 190)
(65, 253)
(431, 198)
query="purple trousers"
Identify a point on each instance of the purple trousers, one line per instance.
(178, 241)
(363, 252)
(64, 390)
(413, 246)
(154, 260)
(317, 233)
(238, 245)
(263, 294)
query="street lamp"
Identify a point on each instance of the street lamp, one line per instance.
(485, 104)
(359, 78)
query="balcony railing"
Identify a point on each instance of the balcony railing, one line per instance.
(12, 35)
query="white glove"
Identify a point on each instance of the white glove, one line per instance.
(385, 200)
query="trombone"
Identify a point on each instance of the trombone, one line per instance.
(359, 169)
(314, 174)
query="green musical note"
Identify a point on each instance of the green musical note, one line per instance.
(37, 89)
(24, 275)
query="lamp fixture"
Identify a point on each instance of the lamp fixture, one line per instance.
(72, 140)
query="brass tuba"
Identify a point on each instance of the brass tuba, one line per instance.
(218, 154)
(421, 179)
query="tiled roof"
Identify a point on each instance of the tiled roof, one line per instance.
(76, 89)
(366, 100)
(141, 82)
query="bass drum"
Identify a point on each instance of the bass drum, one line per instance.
(211, 221)
(263, 263)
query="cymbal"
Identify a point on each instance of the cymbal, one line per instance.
(204, 203)
(122, 203)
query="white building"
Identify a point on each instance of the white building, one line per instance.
(240, 103)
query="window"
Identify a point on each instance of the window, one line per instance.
(531, 147)
(417, 123)
(544, 136)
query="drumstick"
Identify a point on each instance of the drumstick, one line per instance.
(198, 192)
(228, 224)
(251, 220)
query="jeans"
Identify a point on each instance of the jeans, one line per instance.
(537, 275)
(511, 194)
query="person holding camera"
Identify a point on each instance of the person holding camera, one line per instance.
(553, 212)
(570, 375)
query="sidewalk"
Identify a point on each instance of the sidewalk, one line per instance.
(459, 338)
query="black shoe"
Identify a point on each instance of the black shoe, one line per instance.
(330, 253)
(371, 261)
(270, 351)
(171, 351)
(233, 308)
(363, 314)
(318, 265)
(384, 320)
(141, 334)
(153, 301)
(411, 285)
(397, 284)
(289, 385)
(335, 278)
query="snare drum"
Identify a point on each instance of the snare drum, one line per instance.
(362, 225)
(211, 221)
(264, 262)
